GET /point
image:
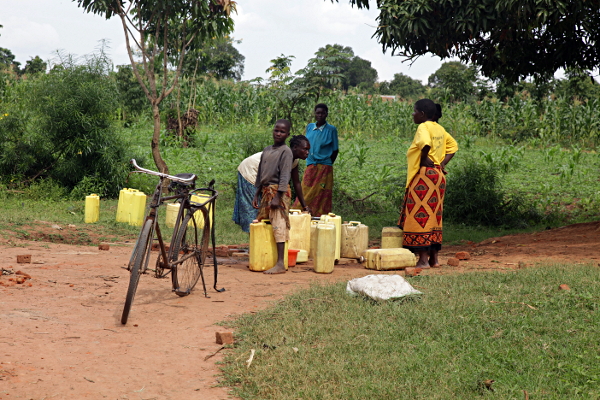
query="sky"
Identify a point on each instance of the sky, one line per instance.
(266, 28)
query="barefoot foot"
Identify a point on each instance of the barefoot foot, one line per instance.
(277, 269)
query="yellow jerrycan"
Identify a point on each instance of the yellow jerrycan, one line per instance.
(198, 216)
(302, 256)
(263, 249)
(355, 239)
(171, 217)
(337, 221)
(124, 205)
(391, 237)
(138, 209)
(313, 239)
(92, 208)
(388, 259)
(325, 254)
(299, 230)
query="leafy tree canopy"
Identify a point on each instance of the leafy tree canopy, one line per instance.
(160, 33)
(506, 39)
(34, 66)
(453, 81)
(359, 71)
(7, 59)
(353, 69)
(218, 58)
(406, 87)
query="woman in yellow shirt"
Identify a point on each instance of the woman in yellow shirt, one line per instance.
(421, 217)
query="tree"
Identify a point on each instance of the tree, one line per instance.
(132, 97)
(7, 60)
(359, 71)
(335, 57)
(324, 72)
(217, 58)
(320, 76)
(578, 85)
(454, 81)
(506, 39)
(160, 33)
(406, 87)
(34, 66)
(355, 70)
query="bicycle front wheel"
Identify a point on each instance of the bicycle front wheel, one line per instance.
(137, 265)
(189, 254)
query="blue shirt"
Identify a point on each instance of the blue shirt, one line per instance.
(323, 142)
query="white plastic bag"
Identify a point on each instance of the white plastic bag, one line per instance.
(381, 287)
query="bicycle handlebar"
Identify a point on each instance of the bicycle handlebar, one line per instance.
(150, 172)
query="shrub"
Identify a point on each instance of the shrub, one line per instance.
(60, 126)
(475, 197)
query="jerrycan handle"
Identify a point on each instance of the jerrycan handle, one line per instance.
(331, 214)
(354, 223)
(295, 211)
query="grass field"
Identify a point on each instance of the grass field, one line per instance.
(558, 182)
(515, 328)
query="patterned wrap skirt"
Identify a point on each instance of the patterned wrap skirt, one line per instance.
(421, 216)
(280, 220)
(243, 212)
(317, 188)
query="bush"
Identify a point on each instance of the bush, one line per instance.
(60, 126)
(475, 197)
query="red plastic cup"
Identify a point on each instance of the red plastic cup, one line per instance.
(292, 255)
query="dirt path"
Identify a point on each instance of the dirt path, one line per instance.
(61, 337)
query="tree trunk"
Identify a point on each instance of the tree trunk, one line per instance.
(160, 163)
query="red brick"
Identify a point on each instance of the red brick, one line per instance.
(564, 286)
(224, 337)
(24, 259)
(411, 271)
(463, 255)
(103, 246)
(453, 262)
(23, 274)
(155, 247)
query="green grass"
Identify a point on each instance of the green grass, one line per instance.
(516, 328)
(560, 182)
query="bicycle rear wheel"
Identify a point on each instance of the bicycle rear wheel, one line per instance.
(137, 265)
(189, 254)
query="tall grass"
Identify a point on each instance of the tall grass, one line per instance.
(550, 121)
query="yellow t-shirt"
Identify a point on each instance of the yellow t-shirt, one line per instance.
(430, 134)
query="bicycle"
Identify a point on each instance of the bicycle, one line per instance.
(186, 255)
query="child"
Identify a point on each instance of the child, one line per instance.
(243, 212)
(272, 181)
(421, 218)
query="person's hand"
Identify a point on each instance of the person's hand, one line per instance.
(427, 162)
(255, 202)
(275, 203)
(307, 209)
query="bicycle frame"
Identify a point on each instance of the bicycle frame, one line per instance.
(186, 204)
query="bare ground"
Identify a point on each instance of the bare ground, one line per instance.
(61, 336)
